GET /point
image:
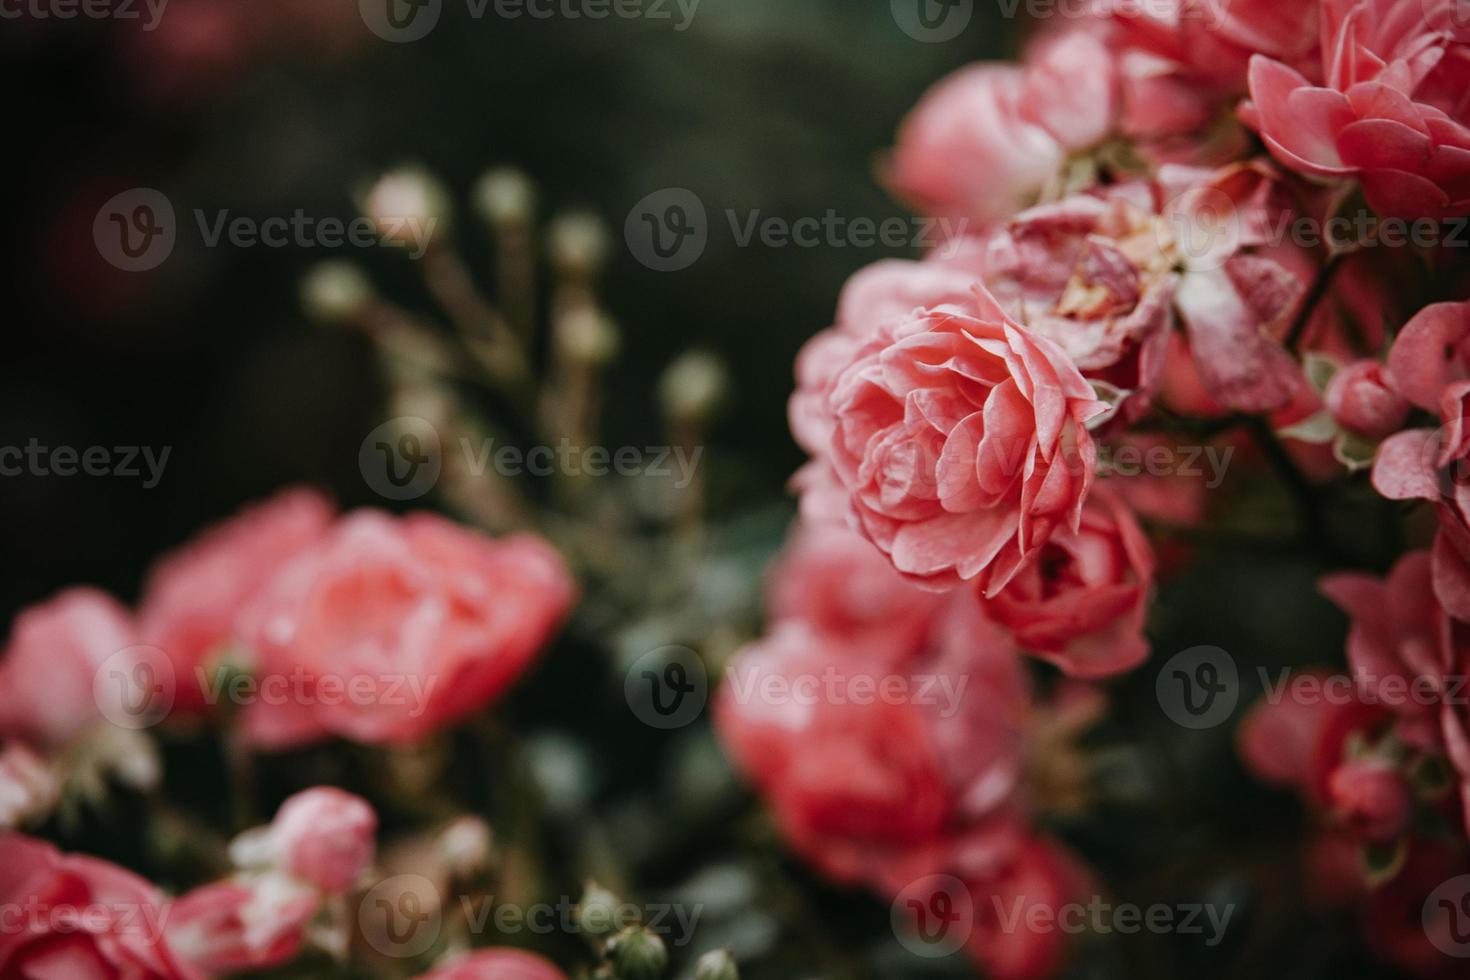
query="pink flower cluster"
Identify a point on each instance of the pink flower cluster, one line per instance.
(364, 626)
(1122, 278)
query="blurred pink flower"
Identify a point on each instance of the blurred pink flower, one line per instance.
(80, 918)
(1390, 112)
(49, 683)
(860, 764)
(252, 922)
(193, 597)
(1081, 604)
(497, 964)
(28, 787)
(400, 626)
(322, 836)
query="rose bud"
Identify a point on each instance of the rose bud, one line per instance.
(248, 923)
(1373, 798)
(717, 964)
(322, 836)
(408, 207)
(497, 964)
(1360, 400)
(638, 954)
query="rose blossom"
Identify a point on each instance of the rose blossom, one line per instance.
(1361, 399)
(49, 684)
(80, 918)
(497, 964)
(1012, 876)
(193, 597)
(1390, 113)
(832, 578)
(253, 922)
(1428, 365)
(1081, 604)
(961, 438)
(859, 779)
(438, 618)
(322, 836)
(1373, 797)
(981, 143)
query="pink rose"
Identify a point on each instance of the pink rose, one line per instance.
(322, 836)
(981, 143)
(832, 579)
(1082, 603)
(1074, 273)
(497, 964)
(1361, 399)
(248, 923)
(962, 440)
(862, 767)
(399, 627)
(49, 683)
(1010, 876)
(194, 596)
(1390, 112)
(80, 918)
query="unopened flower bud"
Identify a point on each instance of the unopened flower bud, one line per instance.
(587, 336)
(1373, 797)
(1360, 400)
(693, 386)
(717, 964)
(322, 836)
(578, 243)
(505, 196)
(465, 845)
(335, 292)
(638, 954)
(597, 913)
(409, 207)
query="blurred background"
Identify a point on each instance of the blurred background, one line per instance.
(264, 107)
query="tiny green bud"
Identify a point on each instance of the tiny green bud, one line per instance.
(505, 196)
(638, 954)
(693, 386)
(717, 964)
(335, 292)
